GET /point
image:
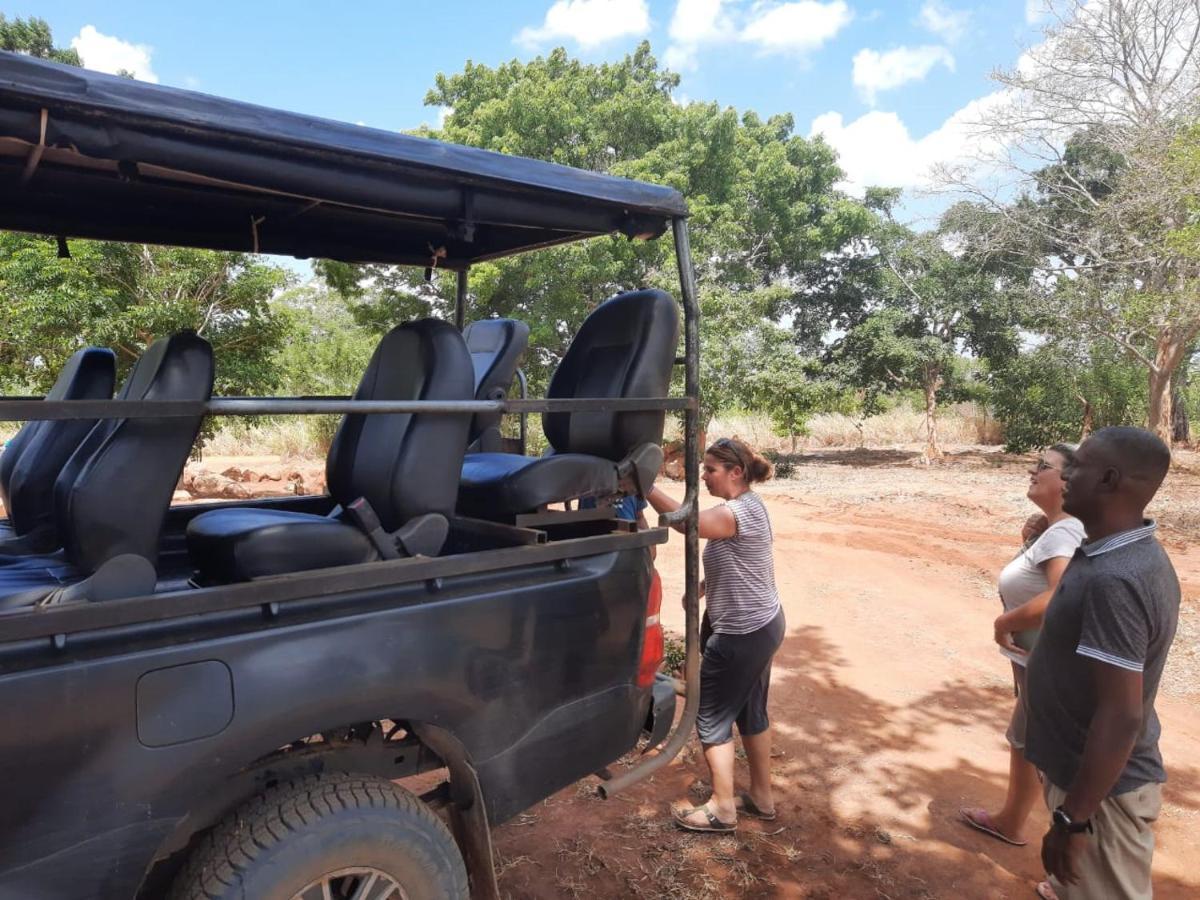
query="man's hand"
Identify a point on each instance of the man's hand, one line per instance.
(1061, 852)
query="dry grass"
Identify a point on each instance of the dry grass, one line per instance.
(964, 423)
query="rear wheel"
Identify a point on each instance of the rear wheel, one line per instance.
(327, 837)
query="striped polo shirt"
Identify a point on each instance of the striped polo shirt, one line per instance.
(1117, 604)
(739, 572)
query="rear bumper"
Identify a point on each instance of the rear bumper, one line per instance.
(662, 709)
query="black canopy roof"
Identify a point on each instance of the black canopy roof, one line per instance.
(83, 154)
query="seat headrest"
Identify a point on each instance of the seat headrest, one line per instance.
(625, 348)
(496, 345)
(406, 465)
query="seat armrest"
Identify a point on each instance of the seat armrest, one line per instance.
(637, 471)
(423, 536)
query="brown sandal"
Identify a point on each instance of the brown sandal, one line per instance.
(712, 825)
(745, 803)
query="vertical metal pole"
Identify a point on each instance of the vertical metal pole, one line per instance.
(689, 511)
(460, 299)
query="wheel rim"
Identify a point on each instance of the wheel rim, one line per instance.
(353, 883)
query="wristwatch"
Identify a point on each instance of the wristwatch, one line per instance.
(1060, 818)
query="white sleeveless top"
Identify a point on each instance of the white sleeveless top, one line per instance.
(739, 572)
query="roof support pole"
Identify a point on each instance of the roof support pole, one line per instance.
(689, 512)
(460, 299)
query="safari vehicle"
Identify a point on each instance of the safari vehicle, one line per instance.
(225, 700)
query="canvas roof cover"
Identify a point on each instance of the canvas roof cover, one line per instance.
(84, 154)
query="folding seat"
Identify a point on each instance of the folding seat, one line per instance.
(393, 476)
(495, 345)
(625, 349)
(112, 495)
(32, 460)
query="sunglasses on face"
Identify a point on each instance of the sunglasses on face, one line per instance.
(1042, 466)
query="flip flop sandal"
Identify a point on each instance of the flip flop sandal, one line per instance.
(1045, 890)
(712, 825)
(981, 821)
(745, 803)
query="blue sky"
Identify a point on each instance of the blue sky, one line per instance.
(888, 83)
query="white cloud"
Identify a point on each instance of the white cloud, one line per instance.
(796, 27)
(948, 24)
(105, 53)
(694, 23)
(875, 71)
(877, 148)
(1035, 11)
(589, 23)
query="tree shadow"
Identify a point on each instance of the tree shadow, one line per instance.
(838, 749)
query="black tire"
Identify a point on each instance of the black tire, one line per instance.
(299, 831)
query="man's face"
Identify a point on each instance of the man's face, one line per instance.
(1081, 481)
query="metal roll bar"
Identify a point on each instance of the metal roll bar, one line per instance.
(688, 511)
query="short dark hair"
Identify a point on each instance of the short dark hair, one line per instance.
(1138, 454)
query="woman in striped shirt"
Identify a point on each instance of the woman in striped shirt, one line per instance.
(743, 627)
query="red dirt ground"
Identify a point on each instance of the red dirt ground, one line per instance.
(889, 704)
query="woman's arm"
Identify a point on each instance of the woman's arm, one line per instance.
(1030, 615)
(715, 523)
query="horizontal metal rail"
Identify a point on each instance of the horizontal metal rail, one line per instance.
(60, 622)
(23, 410)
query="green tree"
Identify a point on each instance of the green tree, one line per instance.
(124, 296)
(923, 307)
(764, 210)
(33, 36)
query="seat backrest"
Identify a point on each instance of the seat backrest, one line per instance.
(115, 490)
(495, 346)
(625, 348)
(36, 454)
(406, 465)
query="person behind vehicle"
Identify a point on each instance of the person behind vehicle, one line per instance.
(1093, 676)
(1026, 585)
(743, 627)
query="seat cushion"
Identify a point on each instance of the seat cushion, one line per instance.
(505, 484)
(228, 545)
(24, 580)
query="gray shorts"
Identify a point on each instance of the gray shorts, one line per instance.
(1016, 726)
(735, 675)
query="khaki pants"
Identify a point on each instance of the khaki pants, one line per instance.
(1116, 863)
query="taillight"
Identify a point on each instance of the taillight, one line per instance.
(652, 640)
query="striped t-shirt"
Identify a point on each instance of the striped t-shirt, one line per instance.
(739, 572)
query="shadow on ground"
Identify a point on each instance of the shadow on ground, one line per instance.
(836, 747)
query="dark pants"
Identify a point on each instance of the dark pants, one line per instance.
(735, 675)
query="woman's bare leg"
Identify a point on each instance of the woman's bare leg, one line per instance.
(720, 764)
(1024, 792)
(758, 754)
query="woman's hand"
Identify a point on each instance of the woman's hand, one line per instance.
(1004, 636)
(1034, 526)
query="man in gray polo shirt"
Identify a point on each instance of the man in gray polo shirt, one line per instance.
(1094, 673)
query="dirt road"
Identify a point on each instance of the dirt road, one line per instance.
(889, 704)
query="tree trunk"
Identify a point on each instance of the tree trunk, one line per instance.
(932, 450)
(1089, 418)
(1181, 428)
(1168, 352)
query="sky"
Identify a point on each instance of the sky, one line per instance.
(890, 83)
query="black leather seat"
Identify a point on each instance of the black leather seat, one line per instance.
(404, 466)
(495, 345)
(112, 495)
(32, 460)
(625, 348)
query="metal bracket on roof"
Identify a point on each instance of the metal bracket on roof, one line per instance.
(464, 228)
(35, 155)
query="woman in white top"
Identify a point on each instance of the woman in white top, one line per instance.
(743, 627)
(1026, 586)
